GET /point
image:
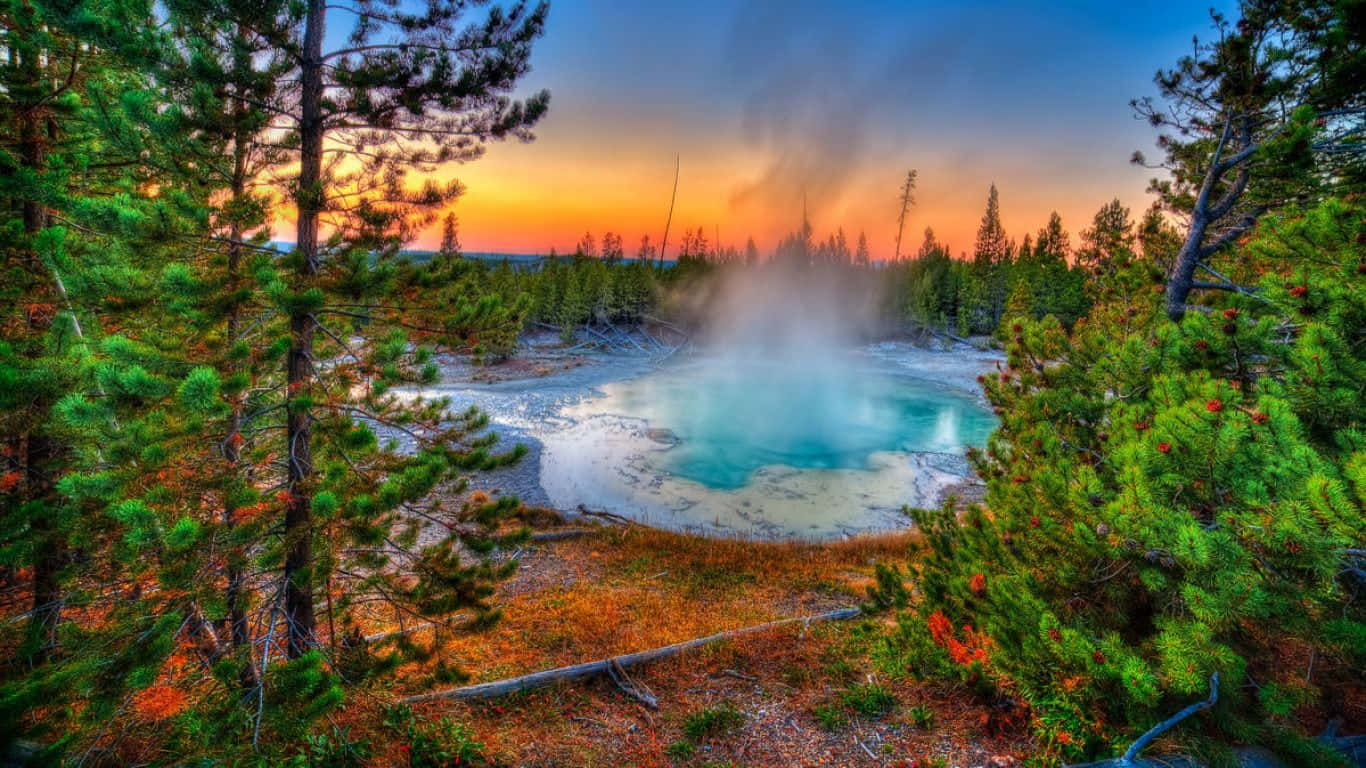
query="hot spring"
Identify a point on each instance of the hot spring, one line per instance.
(764, 446)
(733, 417)
(778, 420)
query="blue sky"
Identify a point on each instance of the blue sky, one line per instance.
(767, 102)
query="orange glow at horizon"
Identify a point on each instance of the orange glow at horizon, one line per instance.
(530, 199)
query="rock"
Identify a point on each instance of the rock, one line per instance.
(663, 436)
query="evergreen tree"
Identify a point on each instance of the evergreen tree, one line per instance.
(587, 246)
(906, 200)
(751, 252)
(1268, 113)
(1166, 502)
(612, 251)
(450, 236)
(1110, 239)
(1052, 239)
(992, 246)
(646, 252)
(1158, 239)
(1059, 289)
(984, 291)
(861, 256)
(404, 91)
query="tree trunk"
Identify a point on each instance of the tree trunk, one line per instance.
(236, 593)
(604, 666)
(299, 578)
(38, 451)
(48, 551)
(1183, 272)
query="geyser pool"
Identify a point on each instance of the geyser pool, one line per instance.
(815, 445)
(734, 416)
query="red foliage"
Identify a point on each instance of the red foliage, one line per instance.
(940, 627)
(1164, 447)
(9, 481)
(978, 584)
(972, 648)
(1214, 406)
(40, 314)
(159, 702)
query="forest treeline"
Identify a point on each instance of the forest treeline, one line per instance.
(967, 295)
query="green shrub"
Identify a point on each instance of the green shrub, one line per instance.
(830, 716)
(869, 699)
(436, 744)
(713, 721)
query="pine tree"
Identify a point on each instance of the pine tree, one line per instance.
(1059, 289)
(984, 293)
(612, 250)
(450, 236)
(1109, 242)
(587, 246)
(646, 252)
(1265, 114)
(1158, 239)
(96, 365)
(1165, 502)
(992, 246)
(398, 78)
(861, 256)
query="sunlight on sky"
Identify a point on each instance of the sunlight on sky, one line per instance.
(767, 103)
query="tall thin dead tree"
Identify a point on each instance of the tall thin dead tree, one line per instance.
(907, 200)
(664, 241)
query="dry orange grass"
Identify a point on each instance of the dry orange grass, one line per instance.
(625, 590)
(632, 589)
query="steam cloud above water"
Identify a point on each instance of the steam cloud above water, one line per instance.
(816, 96)
(785, 312)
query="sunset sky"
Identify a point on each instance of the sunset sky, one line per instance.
(767, 101)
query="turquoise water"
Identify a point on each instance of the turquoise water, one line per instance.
(735, 416)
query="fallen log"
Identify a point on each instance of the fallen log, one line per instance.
(566, 533)
(664, 323)
(605, 666)
(638, 691)
(605, 515)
